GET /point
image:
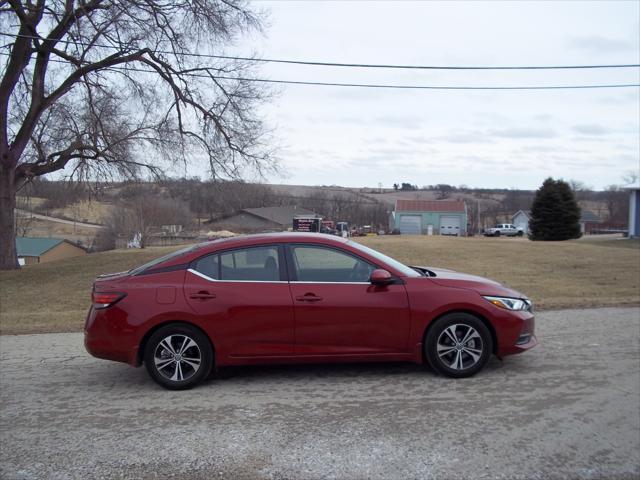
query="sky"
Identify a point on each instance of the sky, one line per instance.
(360, 137)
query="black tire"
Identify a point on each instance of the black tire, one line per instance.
(458, 359)
(498, 233)
(178, 356)
(520, 233)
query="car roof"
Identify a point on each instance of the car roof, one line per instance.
(277, 237)
(263, 239)
(199, 249)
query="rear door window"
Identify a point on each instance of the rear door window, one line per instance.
(259, 264)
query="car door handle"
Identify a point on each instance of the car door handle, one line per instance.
(202, 296)
(308, 297)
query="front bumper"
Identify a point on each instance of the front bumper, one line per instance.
(521, 339)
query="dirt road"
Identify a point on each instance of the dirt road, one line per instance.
(568, 409)
(26, 213)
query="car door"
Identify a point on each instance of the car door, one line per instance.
(338, 311)
(243, 297)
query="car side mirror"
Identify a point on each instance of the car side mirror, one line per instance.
(380, 277)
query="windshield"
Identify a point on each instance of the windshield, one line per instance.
(401, 267)
(164, 258)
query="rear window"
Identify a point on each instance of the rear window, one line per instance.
(209, 266)
(165, 258)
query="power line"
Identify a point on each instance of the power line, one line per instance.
(350, 65)
(431, 87)
(369, 85)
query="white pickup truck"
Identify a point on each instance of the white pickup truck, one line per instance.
(507, 229)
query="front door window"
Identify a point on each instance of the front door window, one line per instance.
(325, 265)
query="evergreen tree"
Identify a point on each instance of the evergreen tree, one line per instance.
(555, 214)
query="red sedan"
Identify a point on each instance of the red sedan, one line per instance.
(279, 298)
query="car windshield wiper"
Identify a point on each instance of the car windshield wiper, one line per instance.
(425, 272)
(421, 271)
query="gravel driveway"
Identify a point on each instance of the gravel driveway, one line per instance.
(570, 408)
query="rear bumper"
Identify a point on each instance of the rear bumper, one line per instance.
(104, 341)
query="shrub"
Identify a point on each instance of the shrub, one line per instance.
(555, 214)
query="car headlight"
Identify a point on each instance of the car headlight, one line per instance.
(510, 303)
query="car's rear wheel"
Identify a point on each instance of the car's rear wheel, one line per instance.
(458, 345)
(178, 356)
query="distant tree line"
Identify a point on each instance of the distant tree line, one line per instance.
(354, 209)
(190, 202)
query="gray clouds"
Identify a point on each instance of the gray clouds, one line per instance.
(360, 137)
(602, 44)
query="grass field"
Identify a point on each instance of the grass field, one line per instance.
(55, 296)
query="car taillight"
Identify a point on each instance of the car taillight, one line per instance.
(106, 299)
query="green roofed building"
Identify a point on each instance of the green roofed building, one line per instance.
(39, 250)
(429, 217)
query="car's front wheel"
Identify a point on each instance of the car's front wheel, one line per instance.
(178, 356)
(458, 345)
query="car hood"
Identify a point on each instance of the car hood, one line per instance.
(484, 286)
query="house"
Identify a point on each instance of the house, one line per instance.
(587, 220)
(521, 220)
(420, 217)
(261, 219)
(634, 212)
(33, 250)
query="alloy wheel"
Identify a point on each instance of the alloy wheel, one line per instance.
(177, 357)
(459, 346)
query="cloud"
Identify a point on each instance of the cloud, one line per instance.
(380, 140)
(601, 44)
(466, 137)
(523, 132)
(543, 117)
(629, 98)
(480, 161)
(581, 162)
(418, 140)
(490, 118)
(587, 138)
(411, 122)
(544, 149)
(591, 129)
(404, 122)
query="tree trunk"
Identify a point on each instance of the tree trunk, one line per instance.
(8, 255)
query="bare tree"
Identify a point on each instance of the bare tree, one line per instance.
(443, 191)
(580, 189)
(24, 223)
(515, 200)
(617, 202)
(490, 212)
(103, 87)
(630, 177)
(144, 213)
